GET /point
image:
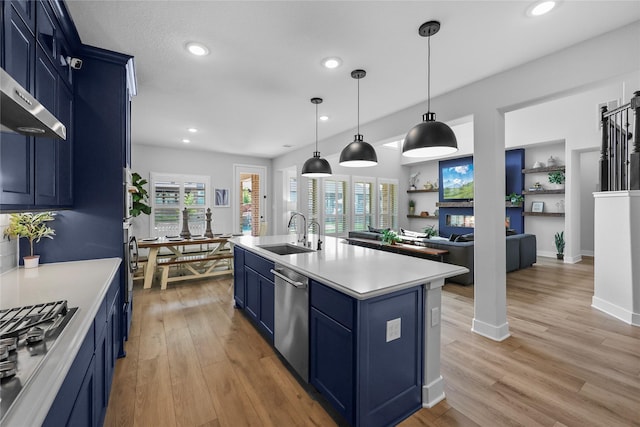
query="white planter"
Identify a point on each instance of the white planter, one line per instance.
(31, 261)
(555, 186)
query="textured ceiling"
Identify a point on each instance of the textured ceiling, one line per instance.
(251, 94)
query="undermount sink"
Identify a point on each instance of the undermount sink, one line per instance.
(285, 249)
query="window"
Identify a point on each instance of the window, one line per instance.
(388, 204)
(313, 213)
(170, 195)
(363, 191)
(290, 196)
(335, 206)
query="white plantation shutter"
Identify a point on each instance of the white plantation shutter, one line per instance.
(335, 206)
(170, 194)
(363, 190)
(388, 204)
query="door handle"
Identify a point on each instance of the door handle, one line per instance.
(296, 284)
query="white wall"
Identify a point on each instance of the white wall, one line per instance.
(589, 184)
(218, 166)
(8, 248)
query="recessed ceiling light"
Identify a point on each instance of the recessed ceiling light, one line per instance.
(541, 7)
(192, 130)
(331, 63)
(287, 145)
(186, 141)
(324, 118)
(197, 49)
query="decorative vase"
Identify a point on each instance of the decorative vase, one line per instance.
(560, 256)
(31, 261)
(412, 210)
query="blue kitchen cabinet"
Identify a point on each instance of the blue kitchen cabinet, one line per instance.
(368, 377)
(37, 172)
(16, 151)
(238, 277)
(84, 395)
(254, 287)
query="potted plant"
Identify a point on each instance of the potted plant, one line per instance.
(389, 237)
(412, 207)
(559, 238)
(431, 231)
(515, 199)
(32, 226)
(557, 178)
(139, 196)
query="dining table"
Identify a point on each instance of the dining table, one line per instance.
(169, 250)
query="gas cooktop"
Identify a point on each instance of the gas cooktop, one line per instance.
(26, 335)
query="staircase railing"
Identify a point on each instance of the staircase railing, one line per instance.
(619, 162)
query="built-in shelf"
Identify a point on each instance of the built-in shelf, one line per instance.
(470, 205)
(424, 217)
(433, 190)
(543, 192)
(556, 214)
(545, 169)
(454, 204)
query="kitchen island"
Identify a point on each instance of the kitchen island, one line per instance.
(73, 380)
(374, 321)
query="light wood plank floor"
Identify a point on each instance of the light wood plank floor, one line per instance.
(193, 360)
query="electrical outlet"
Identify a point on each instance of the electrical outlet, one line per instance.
(435, 316)
(393, 329)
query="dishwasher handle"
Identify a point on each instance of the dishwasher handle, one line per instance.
(298, 285)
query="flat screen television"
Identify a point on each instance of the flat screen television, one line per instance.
(457, 182)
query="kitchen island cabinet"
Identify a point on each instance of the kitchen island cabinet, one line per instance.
(73, 383)
(374, 333)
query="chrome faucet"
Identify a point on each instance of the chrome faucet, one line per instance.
(313, 221)
(304, 228)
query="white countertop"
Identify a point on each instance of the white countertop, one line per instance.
(84, 285)
(355, 270)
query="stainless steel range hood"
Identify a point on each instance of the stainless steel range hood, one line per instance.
(22, 113)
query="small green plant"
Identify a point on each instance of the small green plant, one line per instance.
(390, 237)
(140, 197)
(412, 203)
(30, 225)
(559, 238)
(556, 177)
(431, 231)
(515, 198)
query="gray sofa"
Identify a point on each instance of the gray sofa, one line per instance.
(521, 251)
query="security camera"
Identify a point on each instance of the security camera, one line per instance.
(75, 63)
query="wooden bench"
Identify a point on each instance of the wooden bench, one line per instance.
(196, 266)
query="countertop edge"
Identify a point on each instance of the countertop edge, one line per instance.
(43, 389)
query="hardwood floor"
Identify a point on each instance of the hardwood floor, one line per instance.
(193, 360)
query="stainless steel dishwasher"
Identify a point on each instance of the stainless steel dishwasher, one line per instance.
(291, 318)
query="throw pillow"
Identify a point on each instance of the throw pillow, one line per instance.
(453, 237)
(410, 233)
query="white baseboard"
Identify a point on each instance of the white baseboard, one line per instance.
(567, 259)
(496, 333)
(623, 314)
(433, 393)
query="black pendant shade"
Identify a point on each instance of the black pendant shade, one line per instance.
(316, 167)
(429, 138)
(358, 154)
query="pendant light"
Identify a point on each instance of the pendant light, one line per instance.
(316, 167)
(429, 138)
(358, 154)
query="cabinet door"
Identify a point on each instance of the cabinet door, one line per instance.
(100, 376)
(82, 413)
(65, 148)
(25, 9)
(252, 297)
(267, 305)
(46, 148)
(16, 151)
(238, 277)
(46, 29)
(332, 366)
